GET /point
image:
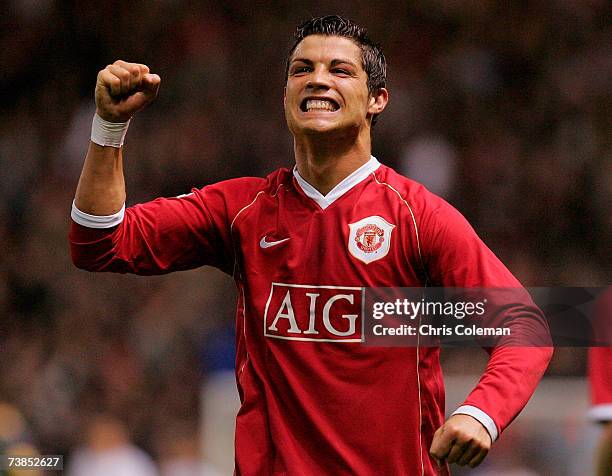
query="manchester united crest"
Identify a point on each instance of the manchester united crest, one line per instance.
(370, 238)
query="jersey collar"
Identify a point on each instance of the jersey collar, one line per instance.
(344, 186)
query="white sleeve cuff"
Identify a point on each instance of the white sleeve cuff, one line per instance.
(95, 221)
(600, 413)
(481, 416)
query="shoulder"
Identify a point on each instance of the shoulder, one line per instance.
(238, 194)
(243, 188)
(424, 204)
(436, 222)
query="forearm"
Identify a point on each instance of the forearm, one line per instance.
(122, 89)
(101, 187)
(509, 381)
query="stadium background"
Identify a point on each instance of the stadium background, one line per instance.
(503, 108)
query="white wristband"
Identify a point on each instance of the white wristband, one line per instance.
(107, 133)
(96, 221)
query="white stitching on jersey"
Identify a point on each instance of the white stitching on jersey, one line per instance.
(274, 194)
(246, 358)
(236, 217)
(241, 285)
(276, 191)
(243, 209)
(420, 405)
(232, 229)
(416, 230)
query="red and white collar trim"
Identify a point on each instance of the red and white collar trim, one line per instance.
(344, 186)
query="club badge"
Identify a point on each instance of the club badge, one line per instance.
(370, 238)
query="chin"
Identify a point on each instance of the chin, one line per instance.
(313, 129)
(319, 124)
(329, 129)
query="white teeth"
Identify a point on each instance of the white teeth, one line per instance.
(321, 104)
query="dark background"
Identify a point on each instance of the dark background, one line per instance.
(503, 108)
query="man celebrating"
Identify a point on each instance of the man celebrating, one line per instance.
(301, 244)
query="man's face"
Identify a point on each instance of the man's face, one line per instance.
(326, 87)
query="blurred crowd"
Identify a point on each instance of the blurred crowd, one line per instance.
(503, 108)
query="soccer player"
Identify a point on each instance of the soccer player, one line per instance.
(300, 244)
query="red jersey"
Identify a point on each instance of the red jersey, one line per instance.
(600, 361)
(600, 381)
(314, 399)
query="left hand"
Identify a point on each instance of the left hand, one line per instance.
(462, 440)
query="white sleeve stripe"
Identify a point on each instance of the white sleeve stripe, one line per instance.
(602, 412)
(96, 221)
(481, 416)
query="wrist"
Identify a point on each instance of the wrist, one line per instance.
(108, 134)
(483, 418)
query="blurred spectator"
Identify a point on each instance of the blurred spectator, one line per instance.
(108, 450)
(12, 425)
(431, 160)
(179, 452)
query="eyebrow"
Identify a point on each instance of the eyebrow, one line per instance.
(334, 62)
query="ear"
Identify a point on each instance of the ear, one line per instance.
(285, 96)
(378, 101)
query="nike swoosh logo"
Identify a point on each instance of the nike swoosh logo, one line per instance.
(267, 244)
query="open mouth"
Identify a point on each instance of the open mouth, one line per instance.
(310, 105)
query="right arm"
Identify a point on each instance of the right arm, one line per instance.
(164, 235)
(122, 89)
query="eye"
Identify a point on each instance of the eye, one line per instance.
(340, 71)
(301, 70)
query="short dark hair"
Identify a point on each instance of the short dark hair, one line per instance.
(372, 57)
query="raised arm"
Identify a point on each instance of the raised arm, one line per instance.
(122, 89)
(160, 236)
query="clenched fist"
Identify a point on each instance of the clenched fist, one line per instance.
(122, 89)
(462, 440)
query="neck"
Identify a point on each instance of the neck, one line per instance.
(324, 163)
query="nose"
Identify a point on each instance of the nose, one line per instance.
(318, 80)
